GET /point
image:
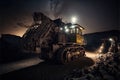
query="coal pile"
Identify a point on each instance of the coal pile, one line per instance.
(107, 67)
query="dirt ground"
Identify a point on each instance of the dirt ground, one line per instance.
(47, 70)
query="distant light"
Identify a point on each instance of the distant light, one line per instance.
(65, 27)
(36, 26)
(72, 26)
(66, 30)
(61, 29)
(101, 47)
(74, 19)
(100, 50)
(110, 39)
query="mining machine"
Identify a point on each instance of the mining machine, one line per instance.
(54, 39)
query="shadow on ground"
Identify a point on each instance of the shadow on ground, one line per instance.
(11, 49)
(47, 70)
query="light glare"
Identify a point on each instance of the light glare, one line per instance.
(66, 30)
(110, 39)
(74, 19)
(61, 29)
(72, 26)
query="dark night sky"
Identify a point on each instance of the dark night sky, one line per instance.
(94, 15)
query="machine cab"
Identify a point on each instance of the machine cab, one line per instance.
(71, 33)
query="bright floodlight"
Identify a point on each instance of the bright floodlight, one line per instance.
(66, 30)
(73, 19)
(110, 39)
